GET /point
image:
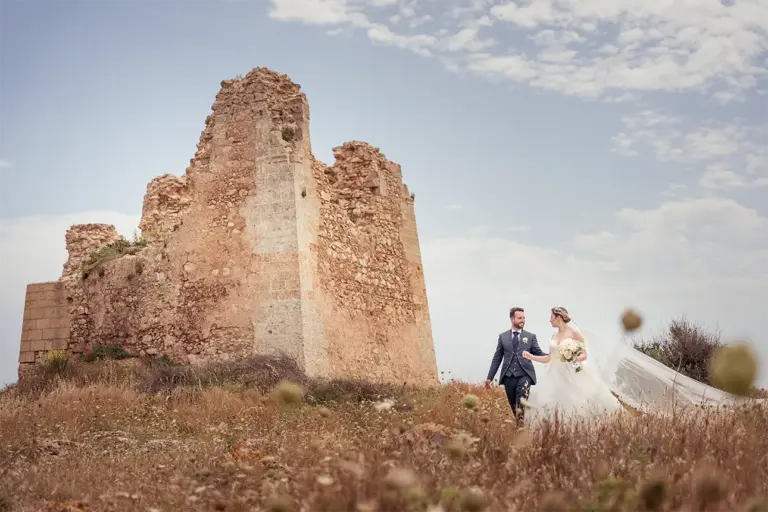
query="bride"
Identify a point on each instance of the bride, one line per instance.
(573, 388)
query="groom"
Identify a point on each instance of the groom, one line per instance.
(517, 373)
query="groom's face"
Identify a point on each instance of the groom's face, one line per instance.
(518, 321)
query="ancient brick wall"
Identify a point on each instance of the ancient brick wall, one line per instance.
(46, 324)
(261, 248)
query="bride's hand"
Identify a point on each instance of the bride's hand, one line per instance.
(526, 354)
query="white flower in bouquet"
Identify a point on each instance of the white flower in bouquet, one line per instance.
(570, 350)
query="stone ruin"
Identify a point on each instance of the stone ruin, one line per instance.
(258, 248)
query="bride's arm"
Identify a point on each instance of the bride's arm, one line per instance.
(538, 359)
(578, 337)
(540, 356)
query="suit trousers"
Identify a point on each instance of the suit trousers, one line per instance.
(517, 389)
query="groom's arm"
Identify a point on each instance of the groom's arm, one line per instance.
(535, 349)
(498, 356)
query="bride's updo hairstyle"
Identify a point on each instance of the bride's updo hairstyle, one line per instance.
(561, 312)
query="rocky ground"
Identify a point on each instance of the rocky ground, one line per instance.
(110, 436)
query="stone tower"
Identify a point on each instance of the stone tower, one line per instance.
(258, 248)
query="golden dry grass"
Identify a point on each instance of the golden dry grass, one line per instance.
(117, 437)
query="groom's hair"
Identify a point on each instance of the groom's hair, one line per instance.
(515, 310)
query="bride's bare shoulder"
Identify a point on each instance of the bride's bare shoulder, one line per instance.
(573, 333)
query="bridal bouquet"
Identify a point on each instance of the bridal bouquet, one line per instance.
(569, 351)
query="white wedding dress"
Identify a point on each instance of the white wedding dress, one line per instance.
(580, 394)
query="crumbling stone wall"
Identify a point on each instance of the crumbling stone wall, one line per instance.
(81, 241)
(374, 297)
(261, 248)
(167, 198)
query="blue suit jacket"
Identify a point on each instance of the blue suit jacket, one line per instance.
(506, 350)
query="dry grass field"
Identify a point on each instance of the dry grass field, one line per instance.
(136, 436)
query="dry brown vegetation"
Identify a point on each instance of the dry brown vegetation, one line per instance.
(132, 436)
(688, 348)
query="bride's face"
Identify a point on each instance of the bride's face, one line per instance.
(552, 320)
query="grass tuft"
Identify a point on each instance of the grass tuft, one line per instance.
(112, 251)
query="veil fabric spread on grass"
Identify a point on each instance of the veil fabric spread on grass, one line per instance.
(644, 383)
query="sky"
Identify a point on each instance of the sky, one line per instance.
(592, 154)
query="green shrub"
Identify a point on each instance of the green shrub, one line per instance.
(112, 251)
(102, 352)
(56, 361)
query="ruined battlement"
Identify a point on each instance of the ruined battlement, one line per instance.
(81, 241)
(258, 248)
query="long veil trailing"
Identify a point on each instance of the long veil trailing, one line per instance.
(642, 382)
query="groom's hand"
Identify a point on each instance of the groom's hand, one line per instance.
(487, 384)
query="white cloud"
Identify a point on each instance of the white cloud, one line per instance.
(665, 46)
(588, 48)
(717, 177)
(318, 12)
(33, 250)
(674, 190)
(5, 164)
(705, 258)
(727, 155)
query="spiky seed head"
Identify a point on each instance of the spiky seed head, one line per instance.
(757, 504)
(417, 497)
(631, 320)
(653, 492)
(288, 392)
(554, 501)
(279, 504)
(449, 494)
(707, 487)
(472, 500)
(733, 368)
(368, 506)
(401, 479)
(470, 401)
(455, 447)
